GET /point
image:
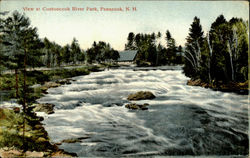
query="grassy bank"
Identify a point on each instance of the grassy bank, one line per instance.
(35, 142)
(8, 81)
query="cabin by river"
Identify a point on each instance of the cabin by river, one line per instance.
(127, 57)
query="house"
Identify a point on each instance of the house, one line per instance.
(127, 56)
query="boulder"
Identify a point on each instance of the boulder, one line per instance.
(51, 84)
(45, 107)
(41, 139)
(71, 140)
(10, 153)
(62, 153)
(194, 82)
(63, 81)
(34, 154)
(48, 85)
(38, 126)
(141, 95)
(135, 106)
(44, 89)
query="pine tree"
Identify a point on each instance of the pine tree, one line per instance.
(193, 46)
(75, 51)
(171, 48)
(66, 54)
(130, 43)
(14, 26)
(20, 45)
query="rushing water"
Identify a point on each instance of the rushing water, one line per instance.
(181, 120)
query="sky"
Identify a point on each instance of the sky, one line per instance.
(114, 26)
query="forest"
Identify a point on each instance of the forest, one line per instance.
(221, 54)
(152, 52)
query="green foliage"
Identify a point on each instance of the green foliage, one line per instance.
(11, 131)
(193, 55)
(220, 56)
(151, 53)
(55, 55)
(20, 48)
(7, 81)
(145, 45)
(76, 54)
(130, 43)
(65, 73)
(101, 52)
(171, 48)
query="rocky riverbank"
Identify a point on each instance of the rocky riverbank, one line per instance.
(236, 87)
(35, 142)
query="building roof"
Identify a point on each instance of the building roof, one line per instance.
(127, 55)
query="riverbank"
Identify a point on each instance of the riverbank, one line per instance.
(37, 78)
(236, 87)
(37, 142)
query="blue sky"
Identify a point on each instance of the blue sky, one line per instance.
(113, 27)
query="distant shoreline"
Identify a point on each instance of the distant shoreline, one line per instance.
(234, 87)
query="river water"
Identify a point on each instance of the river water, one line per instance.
(181, 120)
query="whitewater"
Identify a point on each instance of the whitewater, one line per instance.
(181, 120)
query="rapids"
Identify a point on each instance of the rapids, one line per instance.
(181, 120)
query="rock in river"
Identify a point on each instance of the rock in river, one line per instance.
(141, 95)
(135, 106)
(47, 108)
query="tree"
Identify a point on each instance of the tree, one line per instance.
(179, 56)
(218, 36)
(145, 44)
(159, 48)
(237, 45)
(210, 54)
(130, 44)
(114, 55)
(171, 48)
(101, 52)
(2, 55)
(229, 46)
(21, 45)
(57, 54)
(91, 53)
(81, 56)
(194, 43)
(66, 54)
(75, 52)
(14, 26)
(221, 55)
(47, 52)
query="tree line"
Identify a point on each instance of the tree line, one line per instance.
(17, 36)
(221, 54)
(150, 51)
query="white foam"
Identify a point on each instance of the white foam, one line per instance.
(89, 105)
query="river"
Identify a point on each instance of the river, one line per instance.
(181, 120)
